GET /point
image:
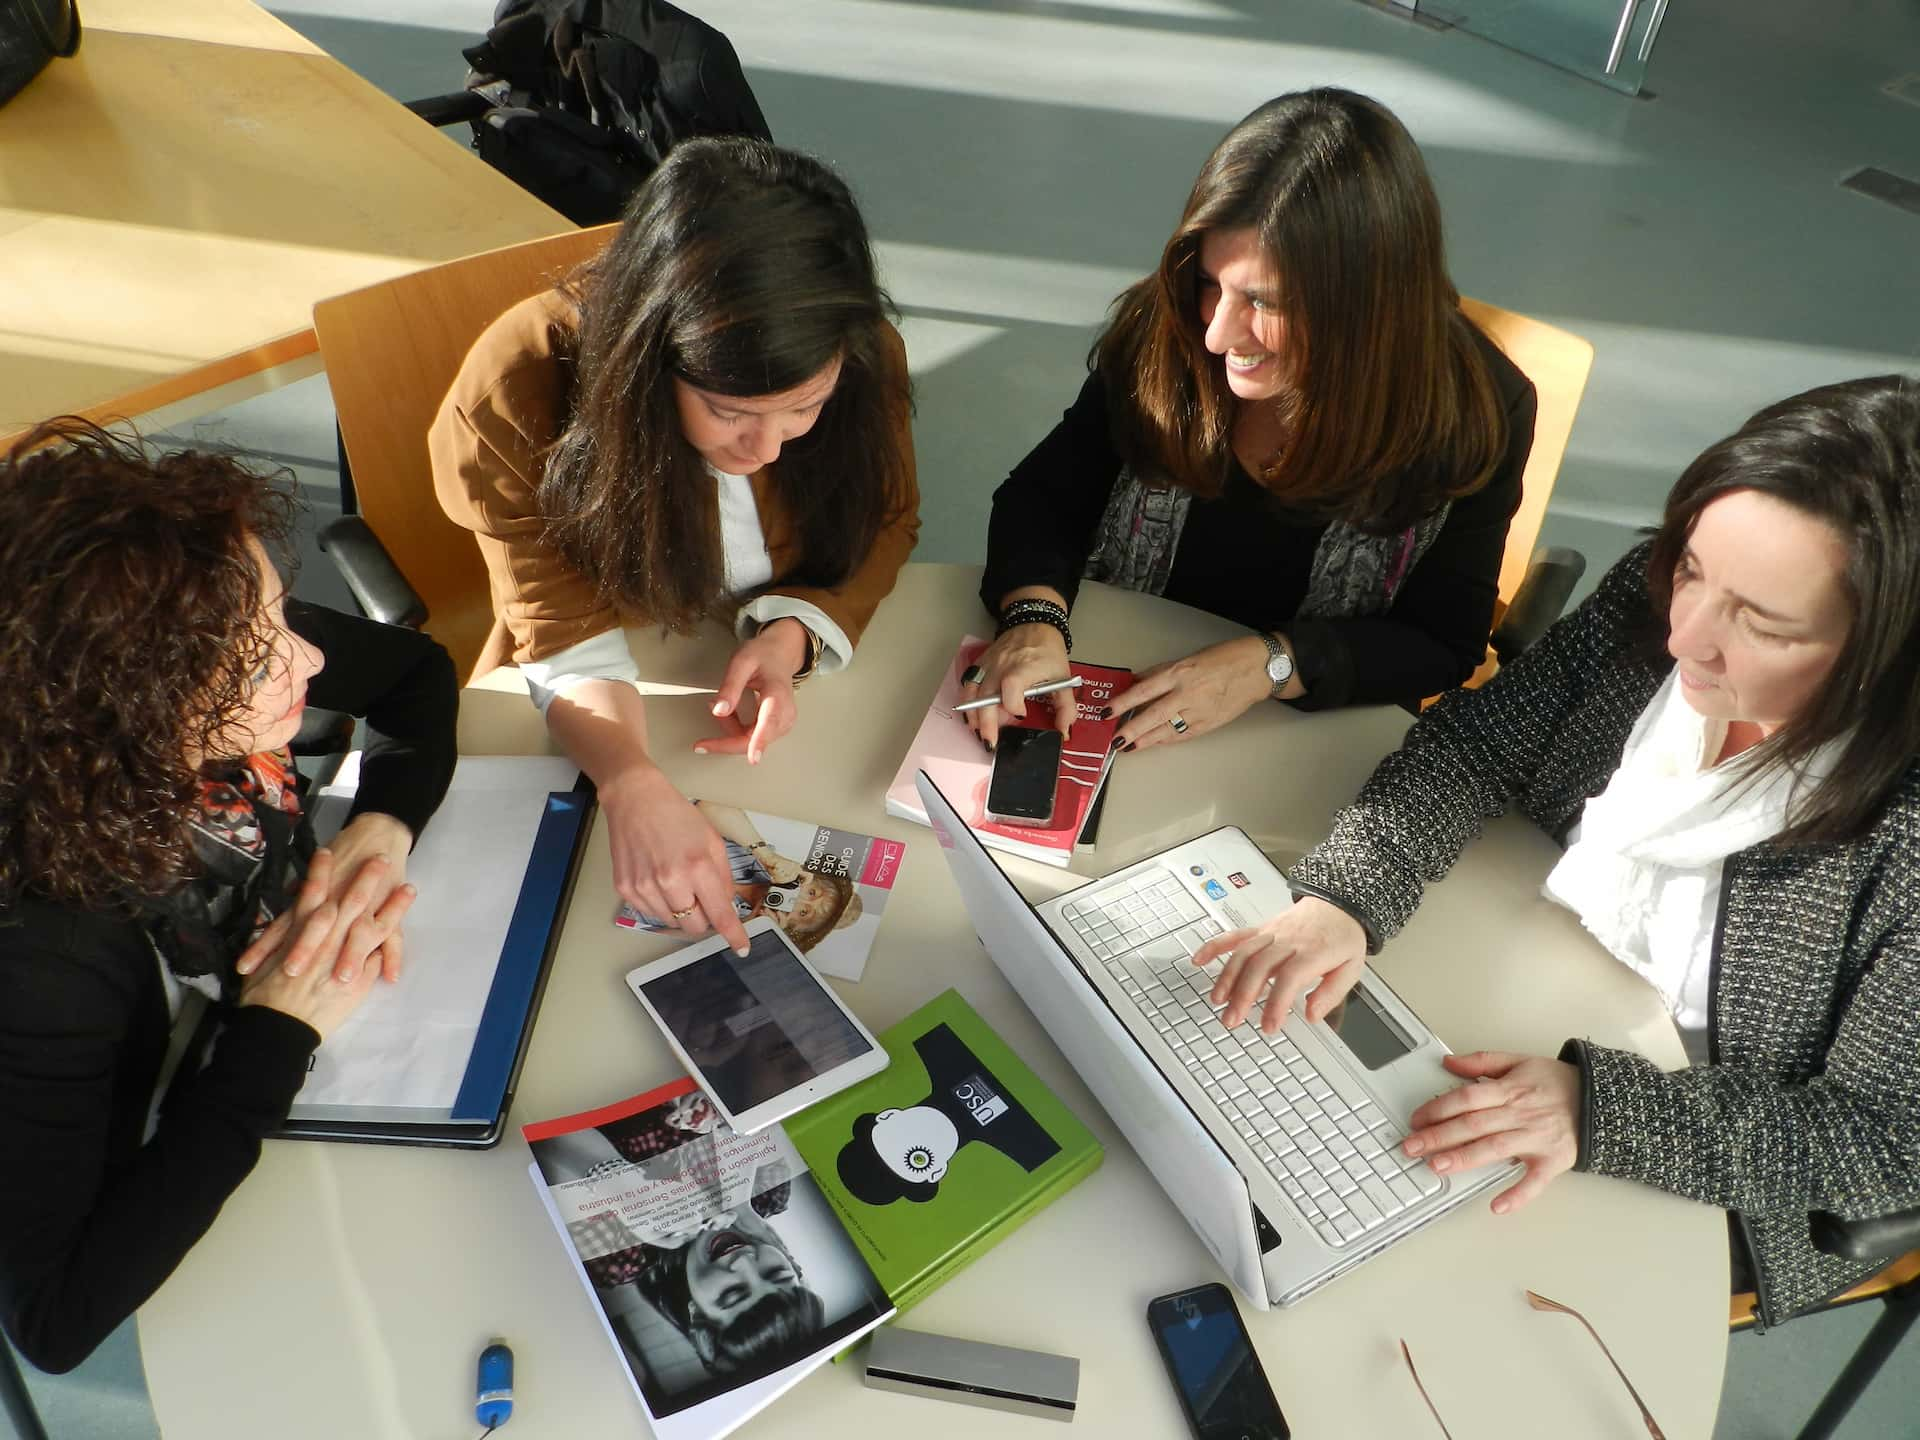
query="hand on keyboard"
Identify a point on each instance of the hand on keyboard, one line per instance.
(1519, 1107)
(1309, 942)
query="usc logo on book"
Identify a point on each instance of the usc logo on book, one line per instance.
(983, 1102)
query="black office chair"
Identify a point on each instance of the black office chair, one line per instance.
(1551, 575)
(1894, 1238)
(381, 592)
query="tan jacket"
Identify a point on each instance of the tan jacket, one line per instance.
(488, 443)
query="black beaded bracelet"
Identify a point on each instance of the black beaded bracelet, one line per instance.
(1035, 611)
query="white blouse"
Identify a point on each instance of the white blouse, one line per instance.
(743, 548)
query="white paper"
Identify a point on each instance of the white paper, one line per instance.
(408, 1044)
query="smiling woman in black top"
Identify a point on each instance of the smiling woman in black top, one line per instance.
(1290, 424)
(172, 946)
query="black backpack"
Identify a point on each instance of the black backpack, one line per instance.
(586, 97)
(32, 32)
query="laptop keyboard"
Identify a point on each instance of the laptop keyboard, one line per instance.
(1340, 1165)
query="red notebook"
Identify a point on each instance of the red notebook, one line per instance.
(961, 766)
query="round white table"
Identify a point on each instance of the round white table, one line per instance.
(346, 1290)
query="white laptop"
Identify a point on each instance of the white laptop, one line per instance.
(1282, 1151)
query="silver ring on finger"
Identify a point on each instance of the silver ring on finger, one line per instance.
(973, 675)
(1179, 725)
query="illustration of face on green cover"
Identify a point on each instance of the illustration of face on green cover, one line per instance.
(905, 1152)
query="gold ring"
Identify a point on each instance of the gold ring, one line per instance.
(682, 914)
(1179, 725)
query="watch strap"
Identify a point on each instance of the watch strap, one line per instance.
(1276, 653)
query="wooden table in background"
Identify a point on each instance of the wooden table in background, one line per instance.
(175, 198)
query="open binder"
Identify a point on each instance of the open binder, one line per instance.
(434, 1058)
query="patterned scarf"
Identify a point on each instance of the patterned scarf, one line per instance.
(252, 852)
(1354, 573)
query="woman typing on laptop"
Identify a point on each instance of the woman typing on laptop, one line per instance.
(1289, 423)
(172, 946)
(710, 421)
(1725, 737)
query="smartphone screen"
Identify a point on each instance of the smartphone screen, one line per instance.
(1026, 768)
(1211, 1361)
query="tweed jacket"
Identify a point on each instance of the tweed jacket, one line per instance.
(1812, 1097)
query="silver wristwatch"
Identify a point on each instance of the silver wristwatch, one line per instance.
(1279, 664)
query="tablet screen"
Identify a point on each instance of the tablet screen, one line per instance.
(757, 1026)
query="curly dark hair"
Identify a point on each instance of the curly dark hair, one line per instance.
(129, 639)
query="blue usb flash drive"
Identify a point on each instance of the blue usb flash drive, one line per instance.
(493, 1402)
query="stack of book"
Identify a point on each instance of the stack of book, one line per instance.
(727, 1267)
(952, 755)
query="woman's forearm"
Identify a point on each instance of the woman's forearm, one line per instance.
(602, 727)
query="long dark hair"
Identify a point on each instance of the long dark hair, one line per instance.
(1388, 375)
(131, 629)
(1848, 455)
(742, 269)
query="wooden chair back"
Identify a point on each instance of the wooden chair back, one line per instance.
(1558, 363)
(391, 352)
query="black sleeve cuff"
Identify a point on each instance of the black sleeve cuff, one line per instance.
(1324, 663)
(1574, 1053)
(1345, 907)
(266, 1051)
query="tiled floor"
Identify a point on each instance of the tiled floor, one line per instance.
(1019, 162)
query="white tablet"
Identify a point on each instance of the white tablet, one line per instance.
(762, 1034)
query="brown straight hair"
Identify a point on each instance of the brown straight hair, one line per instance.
(1388, 376)
(1847, 455)
(742, 269)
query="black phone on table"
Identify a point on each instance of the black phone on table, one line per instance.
(1026, 770)
(1212, 1364)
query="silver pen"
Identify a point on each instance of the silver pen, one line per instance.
(1050, 688)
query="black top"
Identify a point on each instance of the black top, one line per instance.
(92, 1219)
(1247, 556)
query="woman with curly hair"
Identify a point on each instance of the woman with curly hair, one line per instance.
(710, 422)
(172, 946)
(1290, 424)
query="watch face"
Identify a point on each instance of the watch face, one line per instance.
(1280, 668)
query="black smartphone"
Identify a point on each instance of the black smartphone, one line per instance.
(1211, 1362)
(1026, 768)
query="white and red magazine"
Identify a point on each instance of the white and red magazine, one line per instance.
(961, 766)
(824, 886)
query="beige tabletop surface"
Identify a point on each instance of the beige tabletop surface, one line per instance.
(346, 1290)
(175, 197)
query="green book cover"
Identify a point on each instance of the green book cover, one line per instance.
(942, 1154)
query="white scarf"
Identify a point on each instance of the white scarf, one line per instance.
(1643, 871)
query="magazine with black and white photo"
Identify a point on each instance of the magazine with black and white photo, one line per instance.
(720, 1272)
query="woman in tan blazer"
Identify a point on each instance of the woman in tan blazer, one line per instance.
(710, 420)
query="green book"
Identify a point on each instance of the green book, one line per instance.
(944, 1153)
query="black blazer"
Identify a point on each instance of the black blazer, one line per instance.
(93, 1215)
